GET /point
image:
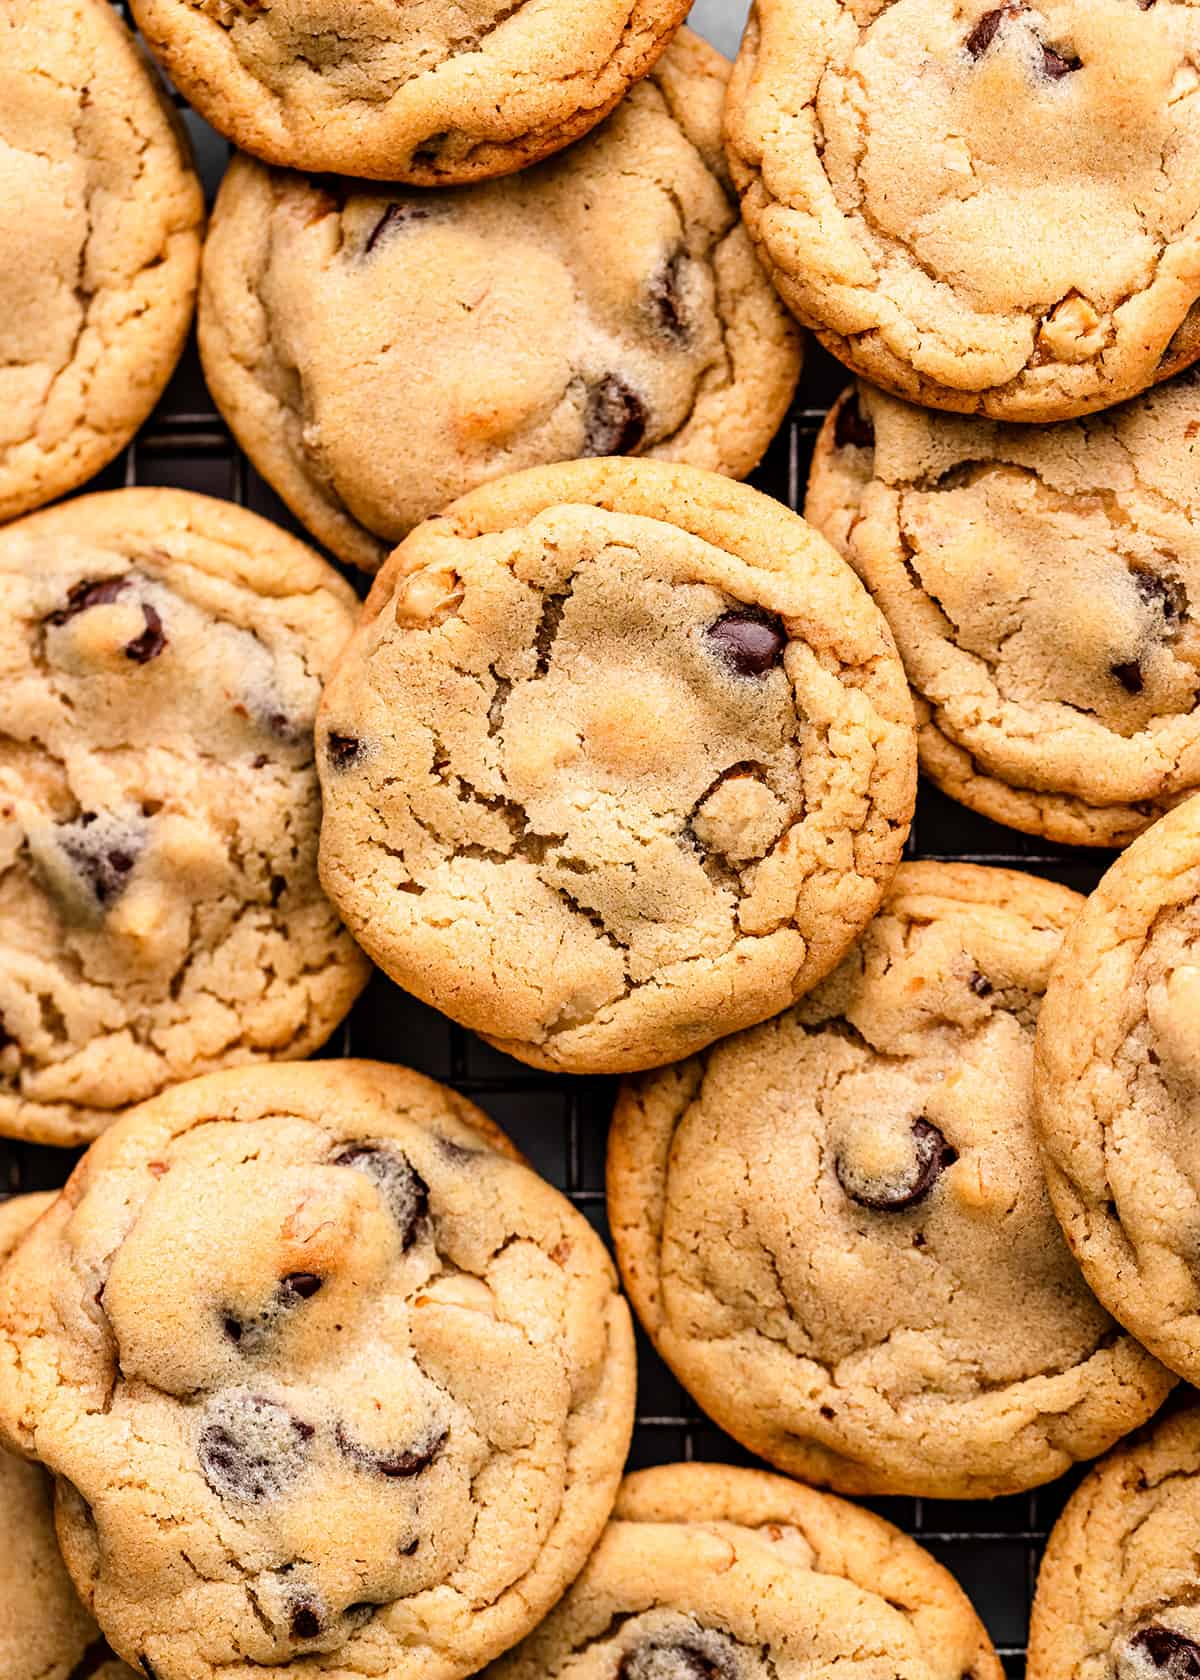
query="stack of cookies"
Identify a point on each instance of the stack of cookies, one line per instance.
(307, 1369)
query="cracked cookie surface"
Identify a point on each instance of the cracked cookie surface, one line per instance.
(1042, 584)
(992, 209)
(45, 1632)
(835, 1227)
(161, 659)
(378, 354)
(620, 759)
(1117, 1595)
(423, 92)
(330, 1379)
(102, 212)
(711, 1573)
(1118, 1085)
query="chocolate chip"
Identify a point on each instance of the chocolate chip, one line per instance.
(931, 1156)
(304, 1285)
(396, 1465)
(342, 750)
(615, 419)
(984, 32)
(306, 1622)
(104, 859)
(666, 299)
(393, 219)
(277, 889)
(1168, 1652)
(1164, 594)
(1056, 66)
(152, 640)
(981, 985)
(1129, 674)
(85, 595)
(397, 1180)
(852, 429)
(233, 1327)
(707, 1657)
(750, 643)
(250, 1447)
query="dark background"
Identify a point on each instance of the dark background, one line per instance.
(561, 1123)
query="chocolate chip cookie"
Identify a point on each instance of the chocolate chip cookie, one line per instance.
(710, 1573)
(330, 1379)
(100, 223)
(378, 353)
(620, 759)
(161, 658)
(1040, 584)
(421, 92)
(987, 208)
(835, 1226)
(1118, 1085)
(45, 1632)
(1117, 1594)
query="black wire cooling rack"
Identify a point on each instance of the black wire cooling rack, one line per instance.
(561, 1123)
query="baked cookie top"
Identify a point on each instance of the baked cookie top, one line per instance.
(418, 92)
(378, 1422)
(45, 1632)
(1040, 584)
(161, 659)
(103, 212)
(994, 209)
(1118, 1085)
(620, 759)
(379, 352)
(1116, 1596)
(835, 1226)
(711, 1573)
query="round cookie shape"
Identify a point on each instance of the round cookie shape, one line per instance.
(99, 198)
(45, 1632)
(380, 352)
(993, 209)
(620, 759)
(710, 1573)
(1043, 586)
(1118, 1080)
(421, 93)
(380, 1420)
(835, 1227)
(1116, 1595)
(161, 659)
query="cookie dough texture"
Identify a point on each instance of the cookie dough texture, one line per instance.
(45, 1632)
(333, 1382)
(1118, 1085)
(835, 1227)
(161, 659)
(425, 92)
(992, 209)
(1116, 1596)
(378, 353)
(1040, 583)
(734, 1574)
(620, 759)
(100, 225)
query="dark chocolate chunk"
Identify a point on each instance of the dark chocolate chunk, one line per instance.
(250, 1447)
(397, 1180)
(152, 640)
(615, 418)
(1171, 1654)
(750, 643)
(931, 1155)
(666, 299)
(85, 595)
(342, 750)
(395, 1464)
(104, 857)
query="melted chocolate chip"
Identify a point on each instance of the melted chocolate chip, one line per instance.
(152, 640)
(1056, 66)
(615, 419)
(666, 299)
(396, 1465)
(984, 32)
(302, 1285)
(102, 861)
(1170, 1653)
(343, 750)
(749, 643)
(397, 1180)
(85, 595)
(393, 219)
(306, 1622)
(709, 1657)
(250, 1448)
(852, 429)
(931, 1156)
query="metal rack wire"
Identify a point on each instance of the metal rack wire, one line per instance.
(561, 1123)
